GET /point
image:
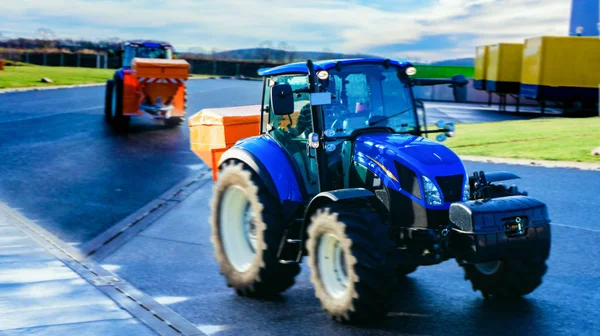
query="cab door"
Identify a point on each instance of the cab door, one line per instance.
(291, 131)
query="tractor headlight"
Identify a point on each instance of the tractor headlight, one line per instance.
(411, 71)
(466, 191)
(432, 193)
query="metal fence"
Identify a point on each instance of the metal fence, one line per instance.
(233, 69)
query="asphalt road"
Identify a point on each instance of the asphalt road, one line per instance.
(65, 168)
(173, 261)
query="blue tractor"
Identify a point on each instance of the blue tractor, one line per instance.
(343, 172)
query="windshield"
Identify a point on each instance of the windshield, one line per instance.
(367, 96)
(132, 52)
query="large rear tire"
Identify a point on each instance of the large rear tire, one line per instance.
(507, 279)
(119, 121)
(247, 228)
(108, 101)
(349, 249)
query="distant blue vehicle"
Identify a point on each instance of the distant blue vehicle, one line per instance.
(342, 172)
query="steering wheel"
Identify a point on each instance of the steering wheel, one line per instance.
(338, 113)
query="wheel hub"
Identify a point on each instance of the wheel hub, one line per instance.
(488, 268)
(332, 265)
(237, 228)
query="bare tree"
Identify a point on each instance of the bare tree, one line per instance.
(265, 50)
(214, 52)
(47, 36)
(325, 54)
(197, 52)
(291, 54)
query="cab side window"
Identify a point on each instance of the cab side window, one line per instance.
(296, 124)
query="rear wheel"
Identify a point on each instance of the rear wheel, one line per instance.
(247, 227)
(118, 120)
(348, 250)
(108, 101)
(507, 279)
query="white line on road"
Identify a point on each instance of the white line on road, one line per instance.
(575, 227)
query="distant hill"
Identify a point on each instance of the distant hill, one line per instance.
(282, 56)
(261, 54)
(468, 61)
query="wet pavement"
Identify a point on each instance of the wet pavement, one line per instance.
(174, 258)
(62, 165)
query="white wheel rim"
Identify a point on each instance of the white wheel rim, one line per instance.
(237, 228)
(488, 268)
(332, 266)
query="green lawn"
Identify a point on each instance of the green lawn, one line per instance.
(26, 75)
(560, 139)
(434, 71)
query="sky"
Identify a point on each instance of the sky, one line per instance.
(417, 30)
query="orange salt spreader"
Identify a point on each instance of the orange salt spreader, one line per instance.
(213, 131)
(150, 83)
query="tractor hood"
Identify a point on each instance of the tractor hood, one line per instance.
(387, 155)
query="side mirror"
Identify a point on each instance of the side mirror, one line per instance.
(282, 99)
(459, 88)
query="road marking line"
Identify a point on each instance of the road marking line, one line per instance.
(575, 227)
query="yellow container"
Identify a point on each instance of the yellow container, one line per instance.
(561, 68)
(481, 55)
(503, 73)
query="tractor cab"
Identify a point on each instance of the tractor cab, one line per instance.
(346, 99)
(145, 49)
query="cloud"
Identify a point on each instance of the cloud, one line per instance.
(339, 25)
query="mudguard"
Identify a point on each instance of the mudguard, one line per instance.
(271, 162)
(499, 176)
(333, 196)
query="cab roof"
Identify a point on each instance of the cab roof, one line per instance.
(149, 43)
(300, 67)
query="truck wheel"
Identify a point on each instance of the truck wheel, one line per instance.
(506, 279)
(247, 228)
(108, 101)
(348, 248)
(119, 121)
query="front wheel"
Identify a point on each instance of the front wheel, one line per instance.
(247, 227)
(506, 279)
(348, 250)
